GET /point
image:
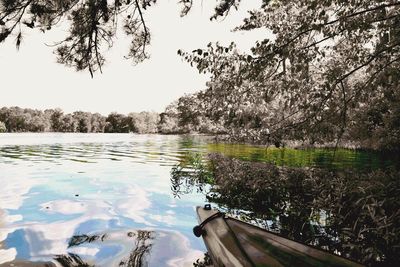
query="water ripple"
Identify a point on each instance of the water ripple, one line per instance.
(107, 188)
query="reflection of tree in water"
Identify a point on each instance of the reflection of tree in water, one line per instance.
(142, 247)
(354, 213)
(195, 171)
(77, 240)
(136, 258)
(206, 261)
(71, 260)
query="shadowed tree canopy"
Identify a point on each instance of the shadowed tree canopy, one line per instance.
(327, 68)
(92, 26)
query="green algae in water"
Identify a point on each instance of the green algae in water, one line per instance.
(316, 157)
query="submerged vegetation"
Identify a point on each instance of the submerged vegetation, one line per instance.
(351, 212)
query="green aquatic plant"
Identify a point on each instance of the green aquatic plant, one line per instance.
(339, 158)
(194, 166)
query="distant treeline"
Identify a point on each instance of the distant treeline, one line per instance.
(16, 119)
(172, 121)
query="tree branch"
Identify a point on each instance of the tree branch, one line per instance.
(144, 25)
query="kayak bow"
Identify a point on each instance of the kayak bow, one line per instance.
(231, 242)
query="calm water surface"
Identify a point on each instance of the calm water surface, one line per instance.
(105, 199)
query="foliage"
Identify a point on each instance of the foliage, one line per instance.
(195, 170)
(168, 124)
(184, 116)
(379, 122)
(3, 128)
(323, 65)
(144, 122)
(18, 119)
(93, 26)
(352, 213)
(117, 123)
(29, 120)
(169, 121)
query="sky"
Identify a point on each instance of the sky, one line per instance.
(31, 78)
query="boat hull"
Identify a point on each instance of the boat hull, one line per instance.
(231, 242)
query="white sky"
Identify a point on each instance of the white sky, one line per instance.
(31, 78)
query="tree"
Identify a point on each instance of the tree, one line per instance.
(30, 120)
(98, 123)
(15, 119)
(38, 123)
(83, 120)
(93, 26)
(186, 116)
(143, 122)
(323, 63)
(168, 122)
(116, 123)
(188, 112)
(56, 119)
(69, 124)
(3, 128)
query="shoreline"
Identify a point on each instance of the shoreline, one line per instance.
(224, 138)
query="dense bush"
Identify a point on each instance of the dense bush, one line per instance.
(354, 213)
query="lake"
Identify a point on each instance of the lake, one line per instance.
(106, 199)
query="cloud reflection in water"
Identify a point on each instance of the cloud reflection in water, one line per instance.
(51, 197)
